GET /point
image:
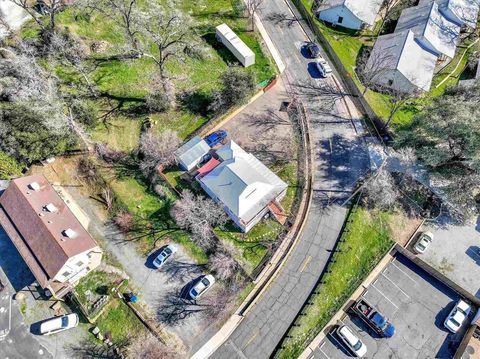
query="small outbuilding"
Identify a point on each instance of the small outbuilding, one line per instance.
(351, 14)
(232, 42)
(191, 153)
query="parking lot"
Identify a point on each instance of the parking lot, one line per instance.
(455, 252)
(416, 304)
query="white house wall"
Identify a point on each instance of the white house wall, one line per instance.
(332, 15)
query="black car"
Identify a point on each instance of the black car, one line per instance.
(313, 49)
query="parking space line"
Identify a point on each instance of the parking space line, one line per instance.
(344, 347)
(320, 348)
(379, 291)
(400, 289)
(413, 280)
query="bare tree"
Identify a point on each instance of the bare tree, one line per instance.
(124, 220)
(224, 266)
(51, 9)
(372, 66)
(148, 347)
(199, 216)
(381, 191)
(252, 7)
(157, 149)
(124, 13)
(397, 99)
(168, 30)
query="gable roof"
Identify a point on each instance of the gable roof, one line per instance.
(407, 56)
(242, 183)
(365, 10)
(41, 231)
(426, 21)
(192, 150)
(465, 10)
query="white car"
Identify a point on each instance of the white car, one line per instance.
(164, 255)
(323, 67)
(202, 286)
(351, 341)
(457, 316)
(423, 241)
(59, 324)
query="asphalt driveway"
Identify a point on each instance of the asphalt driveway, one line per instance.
(417, 305)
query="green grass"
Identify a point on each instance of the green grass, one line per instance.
(127, 82)
(366, 241)
(96, 282)
(153, 213)
(119, 321)
(251, 247)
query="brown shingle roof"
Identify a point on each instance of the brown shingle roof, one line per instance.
(42, 231)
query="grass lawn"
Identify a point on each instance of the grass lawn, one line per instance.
(126, 83)
(251, 246)
(347, 45)
(94, 285)
(366, 239)
(119, 321)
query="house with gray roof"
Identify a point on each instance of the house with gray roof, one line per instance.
(352, 14)
(461, 12)
(407, 66)
(243, 186)
(431, 28)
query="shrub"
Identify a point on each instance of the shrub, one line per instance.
(84, 112)
(9, 167)
(158, 101)
(124, 220)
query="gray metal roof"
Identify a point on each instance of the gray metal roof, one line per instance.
(426, 21)
(191, 151)
(407, 56)
(465, 10)
(365, 10)
(242, 183)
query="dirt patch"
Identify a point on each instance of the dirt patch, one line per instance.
(403, 228)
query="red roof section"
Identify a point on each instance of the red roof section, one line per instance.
(41, 230)
(207, 167)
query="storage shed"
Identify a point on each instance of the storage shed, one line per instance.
(191, 153)
(241, 51)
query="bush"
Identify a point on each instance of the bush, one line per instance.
(124, 220)
(9, 168)
(238, 86)
(84, 112)
(158, 101)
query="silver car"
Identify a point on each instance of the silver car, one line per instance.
(423, 241)
(164, 255)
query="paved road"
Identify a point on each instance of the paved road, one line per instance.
(340, 158)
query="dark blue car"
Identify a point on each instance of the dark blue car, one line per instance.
(216, 137)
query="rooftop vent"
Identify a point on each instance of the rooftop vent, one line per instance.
(51, 208)
(70, 233)
(34, 186)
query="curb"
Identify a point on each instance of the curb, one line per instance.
(270, 46)
(272, 268)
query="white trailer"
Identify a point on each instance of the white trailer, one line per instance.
(241, 51)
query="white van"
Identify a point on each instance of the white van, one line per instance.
(352, 341)
(59, 324)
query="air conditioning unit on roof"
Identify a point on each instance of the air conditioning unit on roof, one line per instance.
(34, 186)
(51, 208)
(70, 233)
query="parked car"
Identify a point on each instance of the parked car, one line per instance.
(216, 137)
(351, 341)
(313, 49)
(323, 68)
(59, 324)
(164, 255)
(202, 286)
(423, 241)
(457, 316)
(373, 318)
